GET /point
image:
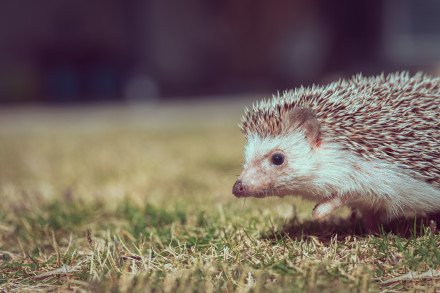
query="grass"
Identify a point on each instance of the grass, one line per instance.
(139, 199)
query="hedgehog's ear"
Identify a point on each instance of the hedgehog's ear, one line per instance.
(305, 119)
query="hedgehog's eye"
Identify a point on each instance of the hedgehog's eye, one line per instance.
(277, 159)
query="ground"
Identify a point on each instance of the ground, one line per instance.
(137, 198)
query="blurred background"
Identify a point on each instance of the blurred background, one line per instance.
(64, 52)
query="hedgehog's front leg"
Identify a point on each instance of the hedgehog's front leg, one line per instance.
(325, 207)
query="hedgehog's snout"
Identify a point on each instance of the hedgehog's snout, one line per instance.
(239, 189)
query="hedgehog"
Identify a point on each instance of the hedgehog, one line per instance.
(369, 143)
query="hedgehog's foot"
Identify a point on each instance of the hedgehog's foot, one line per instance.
(371, 221)
(323, 209)
(354, 215)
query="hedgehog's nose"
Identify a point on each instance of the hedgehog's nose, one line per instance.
(239, 189)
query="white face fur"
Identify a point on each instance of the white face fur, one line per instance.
(316, 173)
(278, 166)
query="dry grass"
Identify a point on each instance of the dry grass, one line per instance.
(123, 200)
